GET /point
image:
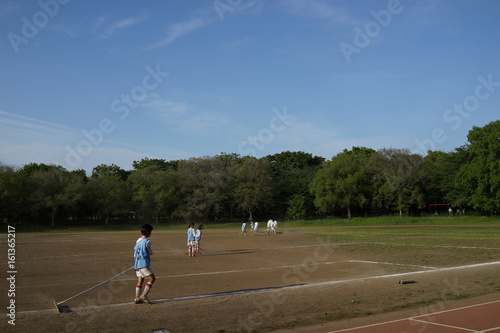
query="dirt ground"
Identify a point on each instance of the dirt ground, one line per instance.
(289, 282)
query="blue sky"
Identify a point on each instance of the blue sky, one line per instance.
(90, 82)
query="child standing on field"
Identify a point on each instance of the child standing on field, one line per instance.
(190, 240)
(244, 229)
(142, 263)
(197, 238)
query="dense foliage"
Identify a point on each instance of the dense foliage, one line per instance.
(295, 185)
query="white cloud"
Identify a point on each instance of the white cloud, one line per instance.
(107, 30)
(178, 30)
(320, 9)
(311, 138)
(25, 140)
(183, 117)
(164, 107)
(122, 25)
(99, 23)
(21, 128)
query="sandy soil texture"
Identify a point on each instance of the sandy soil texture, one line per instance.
(282, 282)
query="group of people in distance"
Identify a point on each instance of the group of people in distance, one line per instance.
(272, 225)
(143, 252)
(193, 239)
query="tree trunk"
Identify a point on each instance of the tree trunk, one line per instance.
(400, 202)
(53, 218)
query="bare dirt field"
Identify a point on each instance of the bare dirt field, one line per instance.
(295, 281)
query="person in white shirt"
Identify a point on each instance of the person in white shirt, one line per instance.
(269, 226)
(244, 229)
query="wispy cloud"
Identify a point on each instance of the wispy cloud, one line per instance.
(125, 23)
(164, 107)
(318, 139)
(13, 125)
(26, 140)
(327, 142)
(107, 30)
(100, 21)
(320, 9)
(183, 117)
(178, 30)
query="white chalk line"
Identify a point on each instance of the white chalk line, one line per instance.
(439, 246)
(443, 325)
(397, 321)
(398, 274)
(303, 285)
(423, 321)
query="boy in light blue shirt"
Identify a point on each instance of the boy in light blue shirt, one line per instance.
(142, 263)
(190, 240)
(244, 229)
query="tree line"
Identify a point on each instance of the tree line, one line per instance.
(294, 185)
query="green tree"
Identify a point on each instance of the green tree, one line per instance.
(166, 192)
(292, 173)
(12, 199)
(344, 182)
(253, 189)
(155, 190)
(479, 177)
(107, 190)
(442, 168)
(54, 189)
(110, 170)
(296, 207)
(402, 176)
(160, 163)
(204, 187)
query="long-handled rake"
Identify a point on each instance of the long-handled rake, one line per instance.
(61, 309)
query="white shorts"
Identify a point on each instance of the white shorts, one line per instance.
(190, 243)
(144, 272)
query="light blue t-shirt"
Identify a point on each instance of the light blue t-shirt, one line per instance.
(141, 254)
(190, 234)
